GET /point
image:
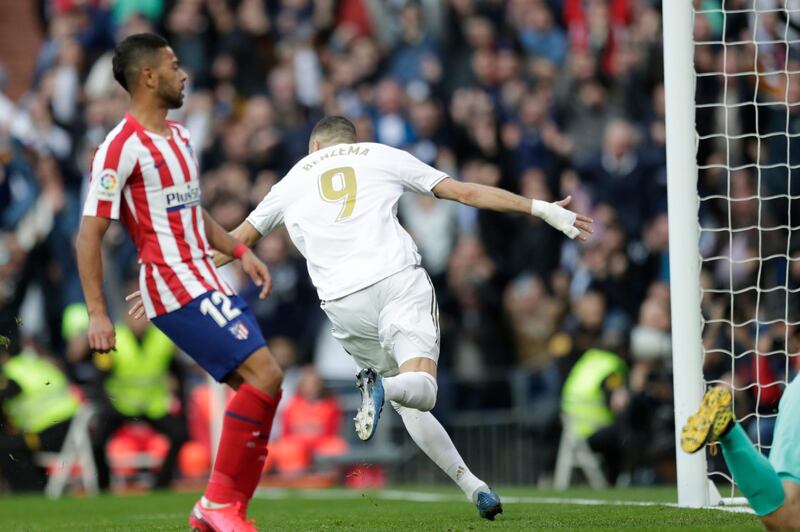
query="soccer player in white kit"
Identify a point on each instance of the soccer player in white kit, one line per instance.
(339, 205)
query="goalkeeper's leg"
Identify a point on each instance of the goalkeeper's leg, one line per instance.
(774, 497)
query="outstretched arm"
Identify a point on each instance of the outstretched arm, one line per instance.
(244, 233)
(482, 196)
(496, 199)
(227, 244)
(218, 237)
(90, 268)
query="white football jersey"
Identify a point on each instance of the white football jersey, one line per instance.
(339, 205)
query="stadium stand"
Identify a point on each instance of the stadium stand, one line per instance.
(542, 97)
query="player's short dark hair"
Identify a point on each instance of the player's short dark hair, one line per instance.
(131, 52)
(333, 129)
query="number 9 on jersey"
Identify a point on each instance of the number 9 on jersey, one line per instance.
(339, 184)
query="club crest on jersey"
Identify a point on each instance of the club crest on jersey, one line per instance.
(182, 196)
(239, 330)
(107, 184)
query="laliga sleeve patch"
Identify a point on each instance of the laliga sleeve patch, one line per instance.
(107, 185)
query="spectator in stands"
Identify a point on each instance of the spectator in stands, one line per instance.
(292, 310)
(597, 26)
(415, 57)
(532, 315)
(592, 400)
(390, 121)
(585, 324)
(535, 138)
(530, 237)
(583, 107)
(137, 385)
(539, 34)
(37, 406)
(311, 426)
(622, 177)
(473, 332)
(649, 423)
(507, 93)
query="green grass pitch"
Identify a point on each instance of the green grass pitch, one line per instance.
(408, 509)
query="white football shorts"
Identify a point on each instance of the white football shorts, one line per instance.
(392, 321)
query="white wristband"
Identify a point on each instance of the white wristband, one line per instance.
(539, 207)
(557, 216)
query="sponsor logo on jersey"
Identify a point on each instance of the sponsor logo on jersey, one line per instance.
(107, 184)
(182, 196)
(239, 330)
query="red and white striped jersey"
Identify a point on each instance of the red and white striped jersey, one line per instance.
(152, 185)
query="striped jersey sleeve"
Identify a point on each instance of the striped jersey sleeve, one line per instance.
(111, 167)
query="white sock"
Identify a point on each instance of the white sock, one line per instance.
(414, 389)
(430, 436)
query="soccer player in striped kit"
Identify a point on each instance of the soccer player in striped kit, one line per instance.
(145, 174)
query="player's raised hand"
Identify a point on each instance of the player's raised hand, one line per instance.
(557, 215)
(137, 310)
(258, 272)
(102, 337)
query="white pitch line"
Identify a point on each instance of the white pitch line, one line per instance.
(142, 517)
(422, 496)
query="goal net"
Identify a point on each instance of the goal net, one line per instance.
(744, 113)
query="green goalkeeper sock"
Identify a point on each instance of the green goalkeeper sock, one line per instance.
(752, 472)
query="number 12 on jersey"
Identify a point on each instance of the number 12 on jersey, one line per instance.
(339, 185)
(218, 306)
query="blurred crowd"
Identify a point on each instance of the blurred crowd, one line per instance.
(546, 98)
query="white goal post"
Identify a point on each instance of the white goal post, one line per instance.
(732, 92)
(684, 234)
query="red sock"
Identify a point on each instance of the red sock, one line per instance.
(240, 446)
(254, 475)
